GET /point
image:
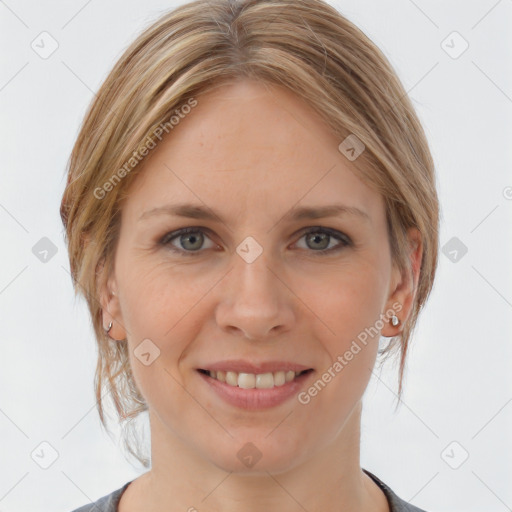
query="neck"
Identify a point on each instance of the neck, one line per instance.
(330, 480)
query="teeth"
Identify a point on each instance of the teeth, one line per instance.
(251, 380)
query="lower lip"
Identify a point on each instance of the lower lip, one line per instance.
(255, 398)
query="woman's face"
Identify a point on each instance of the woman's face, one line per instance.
(248, 290)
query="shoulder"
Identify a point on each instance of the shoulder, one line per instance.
(396, 504)
(106, 503)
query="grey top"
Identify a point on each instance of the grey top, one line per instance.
(110, 502)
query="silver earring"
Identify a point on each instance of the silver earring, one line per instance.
(394, 321)
(108, 330)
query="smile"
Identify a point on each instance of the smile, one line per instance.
(254, 381)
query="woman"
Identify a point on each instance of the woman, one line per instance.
(228, 141)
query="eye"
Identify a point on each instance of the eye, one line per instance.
(191, 240)
(320, 238)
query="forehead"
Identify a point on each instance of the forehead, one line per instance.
(247, 149)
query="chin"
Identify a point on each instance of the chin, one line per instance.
(258, 457)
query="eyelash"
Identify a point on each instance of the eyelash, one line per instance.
(341, 237)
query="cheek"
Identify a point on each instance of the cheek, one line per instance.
(354, 308)
(158, 295)
(348, 303)
(161, 303)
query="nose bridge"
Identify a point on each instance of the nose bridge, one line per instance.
(254, 279)
(255, 301)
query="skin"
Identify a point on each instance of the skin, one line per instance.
(253, 153)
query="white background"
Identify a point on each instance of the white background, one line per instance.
(458, 384)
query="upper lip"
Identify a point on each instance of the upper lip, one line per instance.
(242, 366)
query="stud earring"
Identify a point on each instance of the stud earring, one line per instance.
(394, 321)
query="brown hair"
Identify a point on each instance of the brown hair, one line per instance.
(303, 45)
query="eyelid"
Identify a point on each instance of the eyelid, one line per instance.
(339, 235)
(172, 235)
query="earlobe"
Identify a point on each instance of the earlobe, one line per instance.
(404, 287)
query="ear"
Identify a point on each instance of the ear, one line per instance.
(109, 299)
(403, 286)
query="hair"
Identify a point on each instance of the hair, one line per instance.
(304, 45)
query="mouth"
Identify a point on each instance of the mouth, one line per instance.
(267, 380)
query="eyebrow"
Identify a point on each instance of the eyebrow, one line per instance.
(193, 211)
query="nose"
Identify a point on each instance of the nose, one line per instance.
(256, 302)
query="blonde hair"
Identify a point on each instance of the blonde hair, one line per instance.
(304, 45)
